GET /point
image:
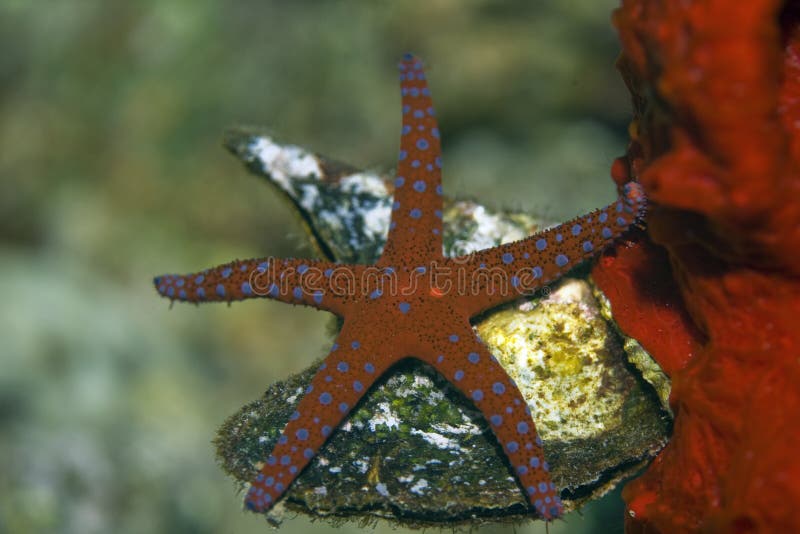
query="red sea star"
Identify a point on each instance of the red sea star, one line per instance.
(413, 302)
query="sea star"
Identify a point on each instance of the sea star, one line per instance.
(413, 302)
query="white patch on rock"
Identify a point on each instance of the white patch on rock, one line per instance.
(437, 440)
(331, 220)
(422, 381)
(284, 163)
(362, 465)
(308, 197)
(491, 230)
(575, 291)
(419, 486)
(376, 221)
(381, 488)
(435, 397)
(414, 387)
(364, 183)
(466, 428)
(384, 416)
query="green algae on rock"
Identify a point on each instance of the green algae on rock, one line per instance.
(415, 450)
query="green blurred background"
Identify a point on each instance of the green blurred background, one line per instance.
(111, 171)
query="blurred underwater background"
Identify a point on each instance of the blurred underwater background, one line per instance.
(112, 171)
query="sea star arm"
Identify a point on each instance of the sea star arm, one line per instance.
(504, 273)
(319, 284)
(342, 379)
(461, 357)
(415, 231)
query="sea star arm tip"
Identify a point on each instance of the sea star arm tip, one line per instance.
(348, 371)
(462, 358)
(523, 266)
(415, 230)
(295, 281)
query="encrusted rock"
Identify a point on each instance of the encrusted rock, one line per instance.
(415, 450)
